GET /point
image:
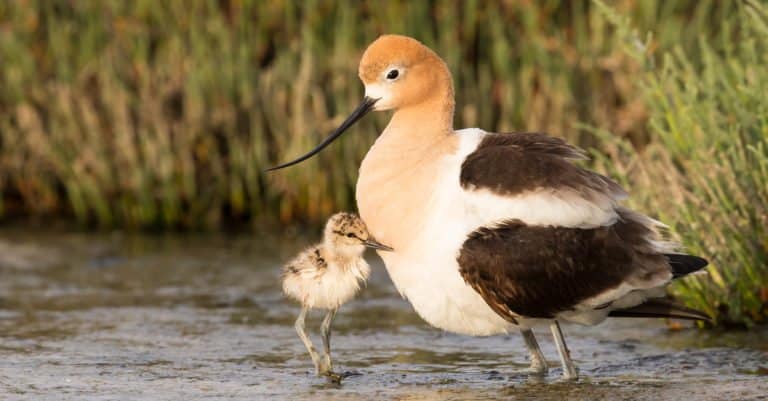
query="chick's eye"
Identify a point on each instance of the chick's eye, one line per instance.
(392, 74)
(350, 235)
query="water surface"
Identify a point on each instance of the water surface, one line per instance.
(201, 317)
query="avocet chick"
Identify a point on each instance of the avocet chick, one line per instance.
(328, 274)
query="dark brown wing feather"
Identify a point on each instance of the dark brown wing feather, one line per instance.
(538, 271)
(513, 163)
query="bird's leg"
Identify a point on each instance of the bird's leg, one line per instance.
(569, 369)
(300, 329)
(538, 363)
(325, 329)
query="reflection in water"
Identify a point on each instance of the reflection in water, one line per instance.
(89, 316)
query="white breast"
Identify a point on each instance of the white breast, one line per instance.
(426, 271)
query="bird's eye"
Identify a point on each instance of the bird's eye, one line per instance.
(392, 74)
(350, 235)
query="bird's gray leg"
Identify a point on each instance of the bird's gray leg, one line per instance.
(569, 369)
(325, 328)
(300, 329)
(538, 363)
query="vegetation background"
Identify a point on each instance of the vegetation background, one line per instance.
(162, 115)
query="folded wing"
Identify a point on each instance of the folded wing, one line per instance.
(552, 240)
(531, 177)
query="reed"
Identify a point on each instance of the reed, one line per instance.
(705, 171)
(148, 114)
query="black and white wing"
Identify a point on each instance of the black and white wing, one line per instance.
(552, 240)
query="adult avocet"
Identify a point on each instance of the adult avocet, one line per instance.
(498, 232)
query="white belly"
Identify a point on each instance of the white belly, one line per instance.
(426, 271)
(432, 284)
(427, 231)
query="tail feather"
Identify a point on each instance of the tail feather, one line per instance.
(683, 265)
(660, 308)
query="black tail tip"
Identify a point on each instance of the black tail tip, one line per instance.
(683, 265)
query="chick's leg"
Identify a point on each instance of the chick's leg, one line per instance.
(327, 364)
(301, 330)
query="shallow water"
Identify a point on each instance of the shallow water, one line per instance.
(115, 317)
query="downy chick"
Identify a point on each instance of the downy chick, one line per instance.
(326, 275)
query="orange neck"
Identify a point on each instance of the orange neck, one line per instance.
(398, 175)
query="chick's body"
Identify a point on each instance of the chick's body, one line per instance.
(327, 275)
(318, 280)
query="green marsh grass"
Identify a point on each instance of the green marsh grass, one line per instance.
(150, 114)
(705, 170)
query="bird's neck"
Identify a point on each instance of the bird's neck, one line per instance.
(398, 174)
(422, 123)
(414, 133)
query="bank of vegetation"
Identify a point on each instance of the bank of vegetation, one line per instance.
(163, 115)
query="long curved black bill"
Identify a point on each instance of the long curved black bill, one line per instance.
(360, 111)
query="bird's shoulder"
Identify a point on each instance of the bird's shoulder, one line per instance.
(532, 177)
(514, 163)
